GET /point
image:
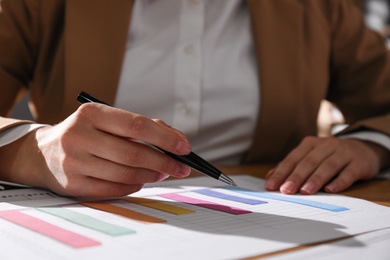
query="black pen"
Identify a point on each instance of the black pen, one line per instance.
(194, 161)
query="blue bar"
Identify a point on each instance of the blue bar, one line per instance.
(289, 198)
(224, 196)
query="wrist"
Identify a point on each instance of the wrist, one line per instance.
(21, 161)
(381, 153)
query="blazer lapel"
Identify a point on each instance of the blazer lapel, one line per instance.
(278, 34)
(95, 41)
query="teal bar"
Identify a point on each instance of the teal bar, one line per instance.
(87, 221)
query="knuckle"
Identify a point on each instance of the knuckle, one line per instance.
(333, 141)
(132, 155)
(137, 124)
(289, 162)
(310, 162)
(332, 165)
(126, 175)
(308, 140)
(86, 111)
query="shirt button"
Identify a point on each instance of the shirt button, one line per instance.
(185, 110)
(189, 49)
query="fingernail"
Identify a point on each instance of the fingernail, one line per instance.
(331, 188)
(288, 187)
(183, 147)
(308, 188)
(162, 176)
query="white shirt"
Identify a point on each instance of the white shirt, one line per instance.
(192, 64)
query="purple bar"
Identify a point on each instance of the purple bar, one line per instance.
(205, 204)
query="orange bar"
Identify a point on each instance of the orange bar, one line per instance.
(159, 205)
(127, 213)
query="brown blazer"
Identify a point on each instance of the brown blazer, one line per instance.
(306, 51)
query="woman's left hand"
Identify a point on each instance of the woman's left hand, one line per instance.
(332, 163)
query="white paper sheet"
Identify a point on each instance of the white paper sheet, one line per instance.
(281, 222)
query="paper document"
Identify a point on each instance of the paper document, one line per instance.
(193, 218)
(371, 245)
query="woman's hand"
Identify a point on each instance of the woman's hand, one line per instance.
(332, 163)
(91, 153)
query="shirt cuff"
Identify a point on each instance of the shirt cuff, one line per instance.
(372, 136)
(16, 132)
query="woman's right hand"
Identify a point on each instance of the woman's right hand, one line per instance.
(91, 153)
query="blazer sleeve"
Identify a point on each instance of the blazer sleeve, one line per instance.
(18, 37)
(360, 71)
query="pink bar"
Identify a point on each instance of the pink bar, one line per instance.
(67, 237)
(205, 204)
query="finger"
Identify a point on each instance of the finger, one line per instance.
(122, 123)
(329, 168)
(269, 173)
(279, 175)
(358, 169)
(134, 155)
(113, 172)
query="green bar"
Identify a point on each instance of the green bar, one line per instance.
(87, 221)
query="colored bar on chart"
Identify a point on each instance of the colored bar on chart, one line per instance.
(52, 231)
(289, 198)
(87, 221)
(205, 204)
(127, 213)
(220, 195)
(159, 205)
